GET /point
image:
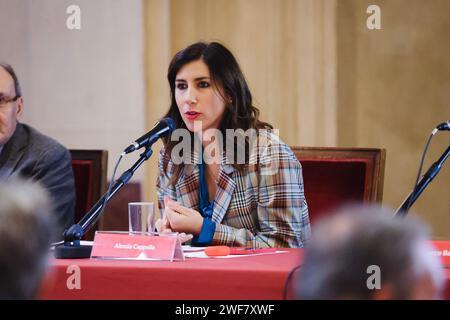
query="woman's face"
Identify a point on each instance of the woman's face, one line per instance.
(197, 98)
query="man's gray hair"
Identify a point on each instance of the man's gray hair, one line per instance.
(8, 68)
(347, 242)
(26, 225)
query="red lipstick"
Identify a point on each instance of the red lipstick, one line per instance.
(192, 115)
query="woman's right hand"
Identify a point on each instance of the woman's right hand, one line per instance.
(163, 225)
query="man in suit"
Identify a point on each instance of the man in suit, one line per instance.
(27, 153)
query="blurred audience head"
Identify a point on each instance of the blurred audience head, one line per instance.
(363, 252)
(25, 233)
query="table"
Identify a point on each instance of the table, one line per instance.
(255, 277)
(261, 277)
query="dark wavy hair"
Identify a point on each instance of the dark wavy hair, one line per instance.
(226, 75)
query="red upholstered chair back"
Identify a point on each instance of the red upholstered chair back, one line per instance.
(334, 176)
(89, 169)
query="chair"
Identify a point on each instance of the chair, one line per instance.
(333, 176)
(89, 169)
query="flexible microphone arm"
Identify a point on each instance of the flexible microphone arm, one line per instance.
(71, 247)
(423, 183)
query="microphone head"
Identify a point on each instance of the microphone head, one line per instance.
(162, 127)
(444, 126)
(169, 122)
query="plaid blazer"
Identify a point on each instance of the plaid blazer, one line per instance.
(260, 206)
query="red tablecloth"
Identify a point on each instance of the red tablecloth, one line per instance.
(255, 277)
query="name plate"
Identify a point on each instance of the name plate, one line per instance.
(136, 246)
(442, 250)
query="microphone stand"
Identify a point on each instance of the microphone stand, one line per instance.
(423, 183)
(71, 248)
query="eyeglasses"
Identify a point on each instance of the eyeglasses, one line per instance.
(5, 100)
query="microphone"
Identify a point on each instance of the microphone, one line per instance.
(161, 128)
(444, 126)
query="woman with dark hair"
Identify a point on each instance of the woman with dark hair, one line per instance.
(212, 196)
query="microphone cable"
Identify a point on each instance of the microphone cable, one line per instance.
(54, 244)
(111, 183)
(433, 132)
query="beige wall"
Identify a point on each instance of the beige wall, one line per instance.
(393, 89)
(315, 70)
(324, 79)
(83, 87)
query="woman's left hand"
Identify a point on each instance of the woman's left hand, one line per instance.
(182, 219)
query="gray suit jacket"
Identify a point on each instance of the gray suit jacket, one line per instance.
(32, 155)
